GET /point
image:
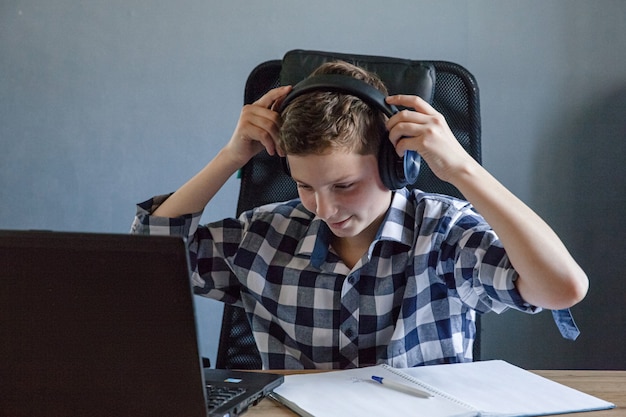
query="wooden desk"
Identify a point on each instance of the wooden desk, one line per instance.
(608, 385)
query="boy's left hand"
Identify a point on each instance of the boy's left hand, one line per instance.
(426, 131)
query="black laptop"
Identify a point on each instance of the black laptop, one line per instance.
(103, 325)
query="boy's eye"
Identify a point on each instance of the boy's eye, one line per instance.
(336, 186)
(344, 186)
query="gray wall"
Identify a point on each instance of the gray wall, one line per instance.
(104, 104)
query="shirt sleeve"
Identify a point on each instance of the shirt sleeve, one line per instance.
(210, 247)
(147, 224)
(484, 277)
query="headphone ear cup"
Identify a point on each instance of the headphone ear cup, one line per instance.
(390, 166)
(397, 172)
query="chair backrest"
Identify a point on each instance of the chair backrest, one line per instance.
(263, 180)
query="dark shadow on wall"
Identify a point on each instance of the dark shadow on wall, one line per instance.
(580, 187)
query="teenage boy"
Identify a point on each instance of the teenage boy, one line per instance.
(352, 273)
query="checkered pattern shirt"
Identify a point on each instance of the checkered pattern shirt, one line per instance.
(411, 299)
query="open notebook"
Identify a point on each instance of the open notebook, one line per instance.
(103, 325)
(489, 388)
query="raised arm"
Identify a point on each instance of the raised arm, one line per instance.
(548, 275)
(257, 129)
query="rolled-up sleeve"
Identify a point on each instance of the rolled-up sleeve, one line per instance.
(484, 271)
(483, 275)
(210, 251)
(145, 223)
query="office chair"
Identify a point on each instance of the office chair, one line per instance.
(263, 180)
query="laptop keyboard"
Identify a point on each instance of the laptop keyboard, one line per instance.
(219, 395)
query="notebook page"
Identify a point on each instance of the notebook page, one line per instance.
(498, 388)
(351, 393)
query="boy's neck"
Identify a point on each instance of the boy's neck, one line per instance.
(351, 249)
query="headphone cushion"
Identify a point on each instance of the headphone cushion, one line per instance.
(390, 166)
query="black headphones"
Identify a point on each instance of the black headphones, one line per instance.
(395, 172)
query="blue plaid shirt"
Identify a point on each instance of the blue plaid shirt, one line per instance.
(411, 299)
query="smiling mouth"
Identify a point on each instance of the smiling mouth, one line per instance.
(339, 225)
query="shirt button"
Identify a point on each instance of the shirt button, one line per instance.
(351, 279)
(349, 333)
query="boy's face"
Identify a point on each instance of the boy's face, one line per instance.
(343, 189)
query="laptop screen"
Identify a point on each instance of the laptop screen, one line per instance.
(98, 325)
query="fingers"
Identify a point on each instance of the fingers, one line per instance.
(273, 97)
(425, 130)
(259, 124)
(421, 129)
(409, 128)
(276, 96)
(413, 102)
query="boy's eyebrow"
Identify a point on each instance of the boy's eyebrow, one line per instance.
(344, 180)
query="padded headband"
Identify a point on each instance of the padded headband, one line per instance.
(343, 84)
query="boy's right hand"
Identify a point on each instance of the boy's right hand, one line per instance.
(258, 127)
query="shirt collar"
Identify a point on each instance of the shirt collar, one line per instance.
(399, 224)
(315, 243)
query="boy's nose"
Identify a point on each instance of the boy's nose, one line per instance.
(325, 206)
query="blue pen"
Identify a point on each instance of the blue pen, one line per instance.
(401, 387)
